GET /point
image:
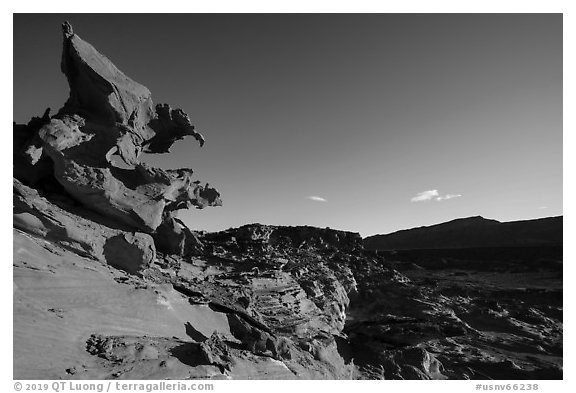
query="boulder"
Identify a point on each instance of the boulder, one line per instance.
(173, 237)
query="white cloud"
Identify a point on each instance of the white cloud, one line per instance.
(433, 195)
(425, 196)
(448, 196)
(543, 207)
(316, 198)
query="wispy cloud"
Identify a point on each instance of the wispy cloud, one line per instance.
(543, 207)
(430, 195)
(316, 198)
(425, 196)
(448, 196)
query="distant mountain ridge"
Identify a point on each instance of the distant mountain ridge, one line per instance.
(473, 232)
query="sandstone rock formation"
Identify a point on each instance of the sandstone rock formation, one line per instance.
(128, 251)
(109, 115)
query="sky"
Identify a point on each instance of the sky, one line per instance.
(363, 122)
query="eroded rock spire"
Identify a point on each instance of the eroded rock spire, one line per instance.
(107, 117)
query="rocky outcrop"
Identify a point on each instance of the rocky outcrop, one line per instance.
(109, 117)
(33, 214)
(101, 93)
(79, 185)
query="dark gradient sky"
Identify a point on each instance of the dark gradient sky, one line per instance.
(363, 110)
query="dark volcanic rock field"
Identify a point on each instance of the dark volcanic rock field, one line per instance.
(109, 283)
